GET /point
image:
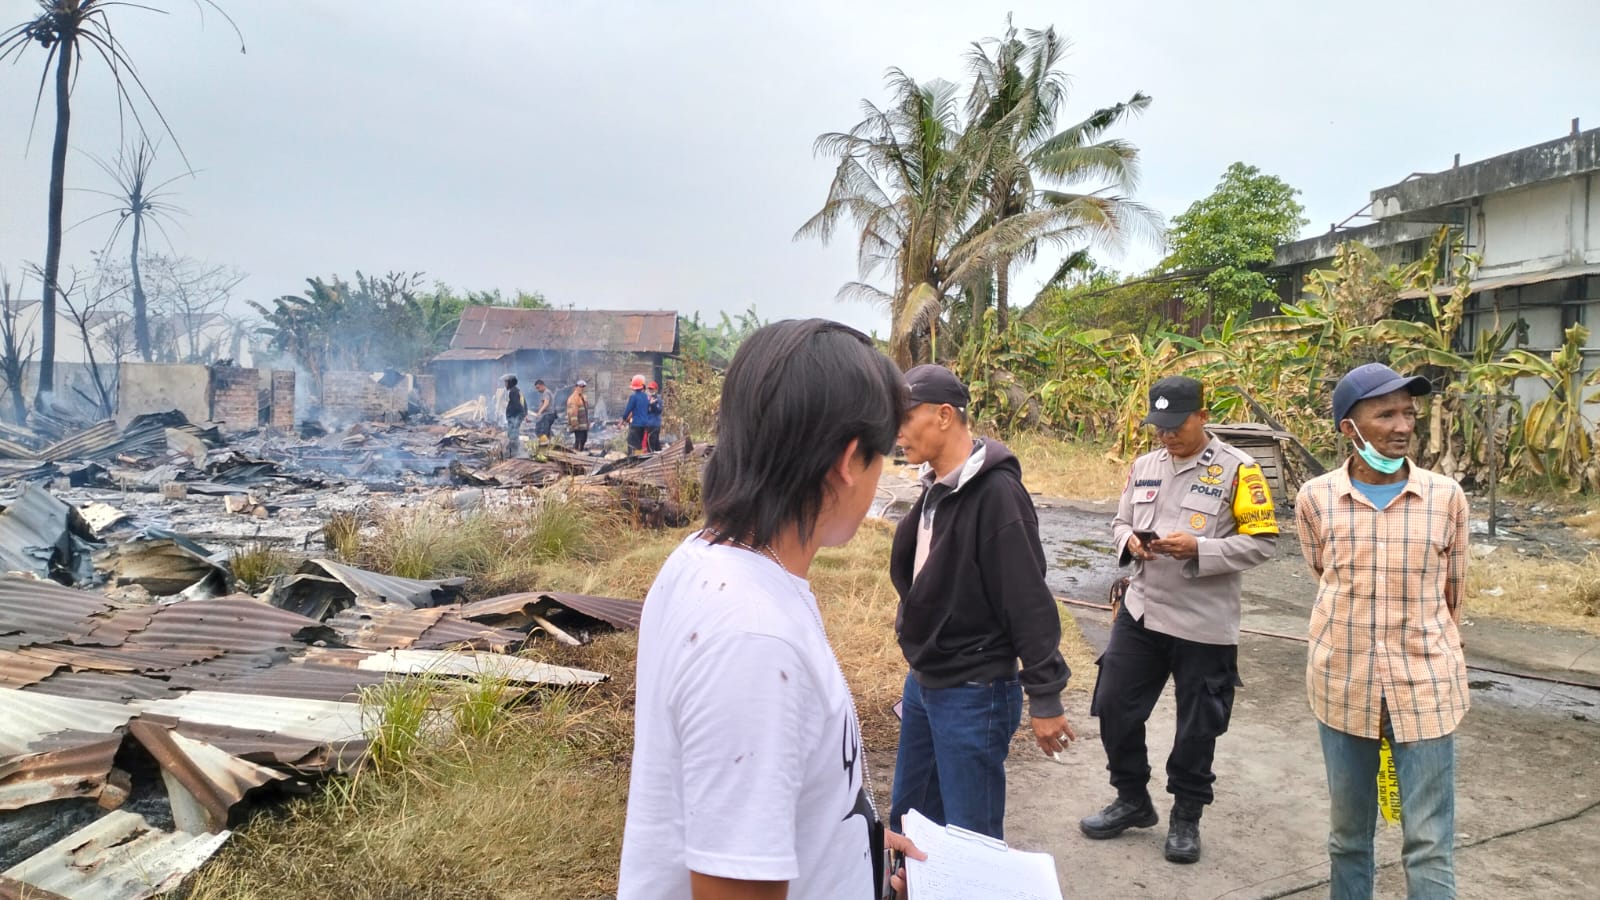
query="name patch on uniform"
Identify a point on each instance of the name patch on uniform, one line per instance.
(1147, 482)
(1252, 502)
(1206, 490)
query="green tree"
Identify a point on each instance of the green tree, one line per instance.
(70, 30)
(1230, 234)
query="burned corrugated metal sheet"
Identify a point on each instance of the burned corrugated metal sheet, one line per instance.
(463, 354)
(203, 782)
(324, 721)
(233, 623)
(57, 766)
(518, 608)
(94, 441)
(164, 564)
(41, 535)
(30, 717)
(19, 670)
(307, 680)
(120, 855)
(33, 612)
(471, 664)
(108, 686)
(54, 747)
(12, 889)
(625, 331)
(311, 592)
(434, 628)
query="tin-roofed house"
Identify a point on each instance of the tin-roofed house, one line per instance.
(603, 347)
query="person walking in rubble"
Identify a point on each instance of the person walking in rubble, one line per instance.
(749, 777)
(652, 417)
(1194, 515)
(1388, 543)
(633, 416)
(545, 416)
(516, 411)
(578, 415)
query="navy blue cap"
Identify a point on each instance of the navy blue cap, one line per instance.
(1373, 380)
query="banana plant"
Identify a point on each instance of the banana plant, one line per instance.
(1555, 432)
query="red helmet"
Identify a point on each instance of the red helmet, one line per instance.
(638, 382)
(652, 385)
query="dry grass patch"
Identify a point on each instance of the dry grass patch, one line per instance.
(521, 812)
(1535, 589)
(1074, 470)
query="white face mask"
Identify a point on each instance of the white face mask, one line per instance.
(1387, 465)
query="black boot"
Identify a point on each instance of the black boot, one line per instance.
(1183, 833)
(1119, 817)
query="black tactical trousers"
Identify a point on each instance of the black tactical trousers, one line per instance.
(1133, 672)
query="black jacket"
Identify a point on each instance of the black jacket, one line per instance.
(981, 602)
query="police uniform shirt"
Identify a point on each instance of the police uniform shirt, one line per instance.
(1221, 497)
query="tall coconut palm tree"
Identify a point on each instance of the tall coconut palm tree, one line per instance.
(909, 181)
(143, 204)
(1076, 175)
(69, 30)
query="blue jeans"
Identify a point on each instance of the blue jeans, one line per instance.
(951, 766)
(1426, 771)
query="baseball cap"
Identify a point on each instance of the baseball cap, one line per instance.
(581, 383)
(1172, 400)
(1372, 380)
(929, 383)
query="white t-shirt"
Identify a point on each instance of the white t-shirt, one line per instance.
(746, 759)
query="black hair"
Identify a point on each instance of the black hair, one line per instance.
(538, 381)
(797, 393)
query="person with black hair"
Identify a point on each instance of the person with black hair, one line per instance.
(516, 411)
(749, 777)
(545, 415)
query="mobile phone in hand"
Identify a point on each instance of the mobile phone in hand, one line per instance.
(1147, 538)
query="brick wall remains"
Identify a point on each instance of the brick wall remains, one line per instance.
(349, 397)
(234, 400)
(283, 399)
(427, 392)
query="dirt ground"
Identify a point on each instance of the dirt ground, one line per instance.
(1528, 757)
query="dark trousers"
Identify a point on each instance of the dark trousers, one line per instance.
(1133, 672)
(543, 425)
(636, 439)
(580, 437)
(653, 435)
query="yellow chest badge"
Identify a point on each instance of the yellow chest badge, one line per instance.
(1197, 521)
(1213, 475)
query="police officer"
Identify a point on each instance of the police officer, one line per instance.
(1193, 516)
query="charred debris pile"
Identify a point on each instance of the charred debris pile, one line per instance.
(148, 703)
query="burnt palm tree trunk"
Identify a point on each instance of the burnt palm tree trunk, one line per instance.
(141, 321)
(66, 42)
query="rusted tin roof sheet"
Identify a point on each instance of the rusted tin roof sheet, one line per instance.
(234, 623)
(518, 608)
(623, 331)
(465, 354)
(35, 612)
(19, 670)
(119, 855)
(95, 441)
(434, 628)
(58, 766)
(308, 591)
(304, 679)
(203, 782)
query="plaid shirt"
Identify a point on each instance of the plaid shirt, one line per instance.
(1385, 626)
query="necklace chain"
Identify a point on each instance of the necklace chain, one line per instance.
(766, 551)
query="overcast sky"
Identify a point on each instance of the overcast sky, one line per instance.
(658, 154)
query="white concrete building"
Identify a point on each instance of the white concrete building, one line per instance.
(1533, 215)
